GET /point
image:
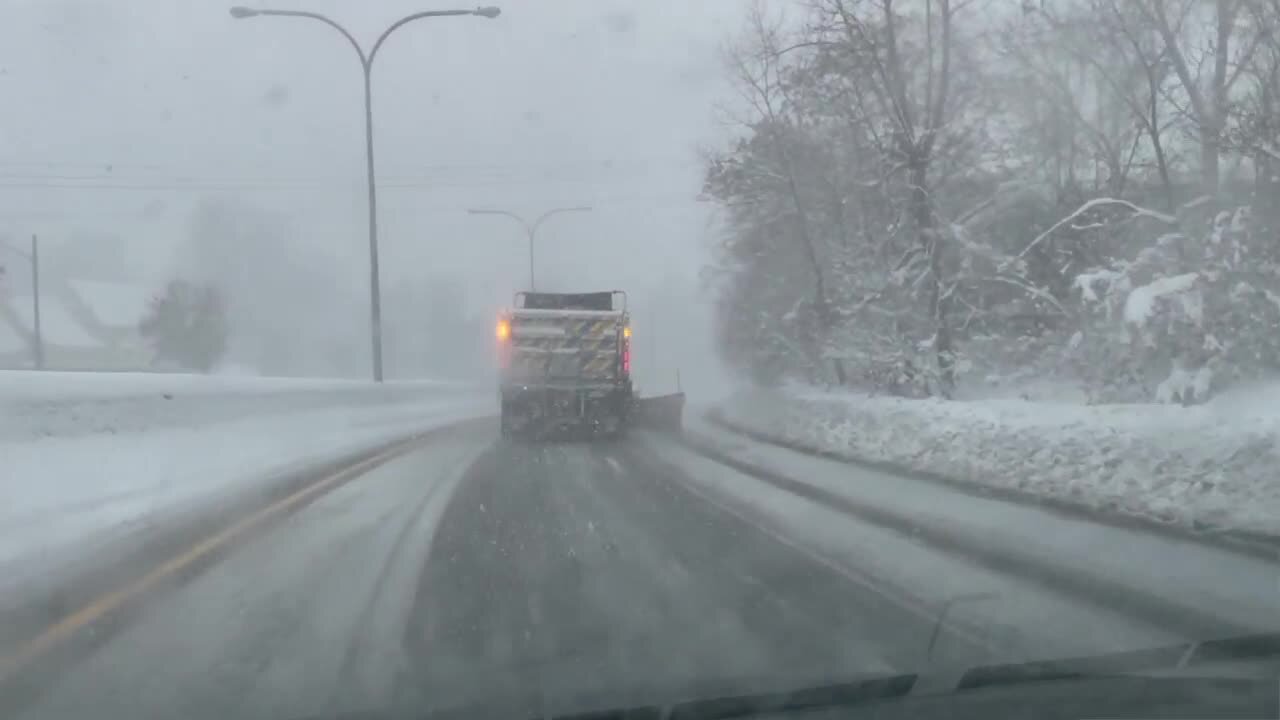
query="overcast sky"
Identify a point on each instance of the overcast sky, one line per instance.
(557, 102)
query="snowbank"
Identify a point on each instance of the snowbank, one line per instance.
(62, 404)
(1207, 467)
(56, 385)
(89, 459)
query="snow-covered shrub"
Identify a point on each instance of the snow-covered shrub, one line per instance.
(1184, 316)
(1211, 466)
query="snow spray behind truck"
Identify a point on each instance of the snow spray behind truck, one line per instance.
(565, 363)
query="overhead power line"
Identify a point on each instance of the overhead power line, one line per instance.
(47, 183)
(108, 168)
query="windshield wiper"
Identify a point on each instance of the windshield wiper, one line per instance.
(1173, 657)
(826, 696)
(844, 695)
(1132, 664)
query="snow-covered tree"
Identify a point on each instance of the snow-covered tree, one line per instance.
(1188, 313)
(186, 326)
(921, 194)
(294, 302)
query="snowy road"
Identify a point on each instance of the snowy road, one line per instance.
(548, 577)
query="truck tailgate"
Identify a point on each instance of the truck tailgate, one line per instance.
(564, 345)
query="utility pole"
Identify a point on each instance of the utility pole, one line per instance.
(32, 258)
(35, 301)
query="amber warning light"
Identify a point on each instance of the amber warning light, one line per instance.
(504, 330)
(626, 349)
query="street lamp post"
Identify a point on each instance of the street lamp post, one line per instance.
(530, 228)
(366, 65)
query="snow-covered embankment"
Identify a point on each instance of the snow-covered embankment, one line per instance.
(88, 458)
(1210, 467)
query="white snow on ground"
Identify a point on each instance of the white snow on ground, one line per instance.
(1209, 466)
(1238, 588)
(59, 404)
(26, 385)
(1022, 621)
(86, 458)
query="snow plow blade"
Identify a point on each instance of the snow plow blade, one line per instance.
(664, 413)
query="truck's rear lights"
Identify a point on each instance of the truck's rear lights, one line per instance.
(504, 330)
(626, 356)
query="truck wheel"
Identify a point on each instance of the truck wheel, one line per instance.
(610, 428)
(505, 423)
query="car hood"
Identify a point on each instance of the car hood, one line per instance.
(1244, 660)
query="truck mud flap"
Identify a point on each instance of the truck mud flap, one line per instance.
(664, 413)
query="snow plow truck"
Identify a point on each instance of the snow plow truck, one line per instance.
(565, 367)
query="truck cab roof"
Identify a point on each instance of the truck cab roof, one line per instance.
(605, 300)
(583, 314)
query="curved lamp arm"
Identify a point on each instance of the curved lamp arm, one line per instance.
(240, 13)
(542, 218)
(528, 229)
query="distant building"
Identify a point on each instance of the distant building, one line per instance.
(85, 325)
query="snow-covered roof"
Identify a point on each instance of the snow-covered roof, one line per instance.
(114, 304)
(57, 325)
(11, 340)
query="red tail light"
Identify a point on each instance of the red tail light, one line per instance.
(626, 356)
(503, 333)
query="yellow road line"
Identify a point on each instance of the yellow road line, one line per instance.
(114, 600)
